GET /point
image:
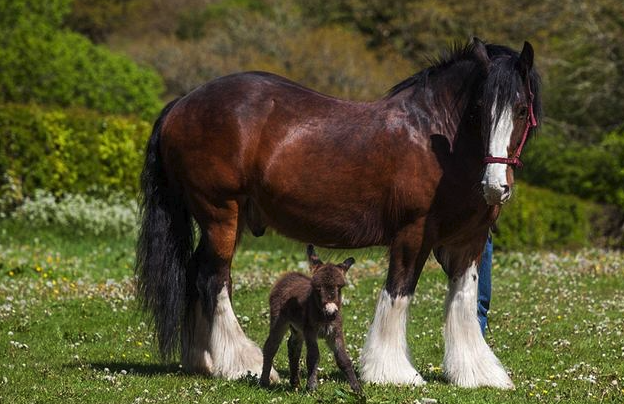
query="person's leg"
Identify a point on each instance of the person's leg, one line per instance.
(485, 284)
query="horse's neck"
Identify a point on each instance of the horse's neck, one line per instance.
(440, 110)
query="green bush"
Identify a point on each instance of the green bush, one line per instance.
(539, 218)
(594, 172)
(70, 150)
(43, 63)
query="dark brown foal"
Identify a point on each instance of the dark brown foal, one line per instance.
(311, 308)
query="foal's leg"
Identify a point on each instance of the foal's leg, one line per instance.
(295, 342)
(276, 334)
(337, 345)
(385, 356)
(468, 360)
(312, 357)
(216, 329)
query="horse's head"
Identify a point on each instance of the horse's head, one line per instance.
(510, 108)
(327, 283)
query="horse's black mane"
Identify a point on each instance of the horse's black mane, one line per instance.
(502, 83)
(455, 53)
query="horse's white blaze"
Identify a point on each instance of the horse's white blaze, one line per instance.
(495, 177)
(330, 308)
(468, 360)
(196, 344)
(233, 354)
(385, 356)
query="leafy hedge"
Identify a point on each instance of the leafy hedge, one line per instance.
(71, 150)
(594, 172)
(42, 62)
(539, 218)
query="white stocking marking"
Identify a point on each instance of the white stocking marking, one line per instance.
(233, 354)
(385, 356)
(468, 360)
(195, 345)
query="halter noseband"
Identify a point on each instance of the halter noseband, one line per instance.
(531, 123)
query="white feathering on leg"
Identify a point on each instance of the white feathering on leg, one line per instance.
(468, 360)
(196, 345)
(233, 354)
(385, 357)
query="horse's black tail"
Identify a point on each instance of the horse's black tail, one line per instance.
(164, 246)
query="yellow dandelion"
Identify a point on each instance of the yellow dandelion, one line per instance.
(123, 355)
(49, 259)
(38, 269)
(45, 275)
(139, 343)
(56, 291)
(545, 391)
(11, 273)
(147, 355)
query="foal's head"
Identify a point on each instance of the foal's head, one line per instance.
(327, 283)
(510, 112)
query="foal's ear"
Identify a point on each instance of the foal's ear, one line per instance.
(526, 59)
(347, 263)
(480, 52)
(313, 258)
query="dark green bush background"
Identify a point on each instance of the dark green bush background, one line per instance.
(41, 62)
(540, 218)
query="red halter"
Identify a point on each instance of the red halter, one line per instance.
(531, 123)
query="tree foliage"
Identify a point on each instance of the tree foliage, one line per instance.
(39, 61)
(250, 35)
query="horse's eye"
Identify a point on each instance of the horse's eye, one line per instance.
(522, 112)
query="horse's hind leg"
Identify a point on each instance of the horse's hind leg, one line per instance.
(215, 342)
(196, 356)
(468, 360)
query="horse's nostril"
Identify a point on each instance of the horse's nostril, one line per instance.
(505, 189)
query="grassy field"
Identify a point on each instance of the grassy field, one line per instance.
(70, 330)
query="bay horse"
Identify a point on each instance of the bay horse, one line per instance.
(426, 168)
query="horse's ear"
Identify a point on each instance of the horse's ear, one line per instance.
(480, 52)
(313, 258)
(347, 263)
(526, 59)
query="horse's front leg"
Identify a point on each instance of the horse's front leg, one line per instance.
(385, 356)
(468, 360)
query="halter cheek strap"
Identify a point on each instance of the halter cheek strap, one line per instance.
(531, 123)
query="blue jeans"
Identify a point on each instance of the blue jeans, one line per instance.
(485, 284)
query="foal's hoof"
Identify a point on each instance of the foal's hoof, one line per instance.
(312, 386)
(264, 382)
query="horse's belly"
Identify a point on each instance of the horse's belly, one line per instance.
(327, 225)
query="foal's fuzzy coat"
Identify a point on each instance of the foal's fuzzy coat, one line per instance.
(311, 307)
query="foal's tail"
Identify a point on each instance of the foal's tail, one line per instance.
(164, 246)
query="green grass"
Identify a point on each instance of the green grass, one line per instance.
(70, 330)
